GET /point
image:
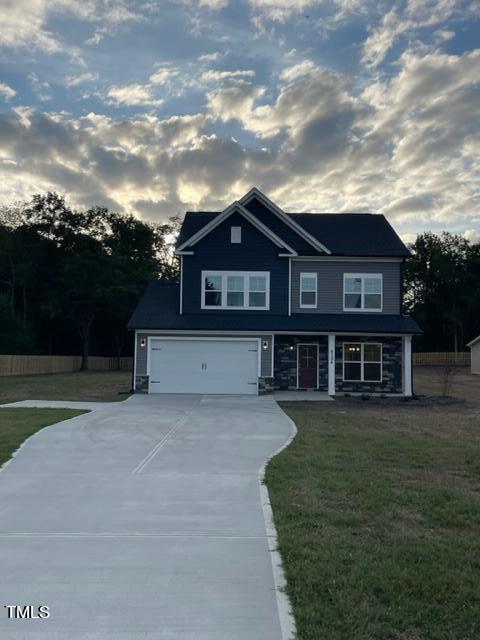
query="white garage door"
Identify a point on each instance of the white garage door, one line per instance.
(203, 366)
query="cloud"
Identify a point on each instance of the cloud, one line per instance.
(42, 88)
(163, 75)
(25, 22)
(210, 57)
(472, 235)
(82, 78)
(296, 71)
(7, 92)
(280, 10)
(417, 14)
(132, 95)
(406, 144)
(219, 76)
(214, 5)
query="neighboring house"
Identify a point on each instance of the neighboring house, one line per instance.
(474, 355)
(269, 300)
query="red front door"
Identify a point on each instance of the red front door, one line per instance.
(307, 366)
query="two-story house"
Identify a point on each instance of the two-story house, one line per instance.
(272, 300)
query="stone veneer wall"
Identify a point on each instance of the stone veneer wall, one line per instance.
(141, 384)
(391, 367)
(265, 385)
(285, 361)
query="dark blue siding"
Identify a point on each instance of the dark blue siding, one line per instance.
(283, 231)
(255, 253)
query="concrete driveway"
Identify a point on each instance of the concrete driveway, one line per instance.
(142, 520)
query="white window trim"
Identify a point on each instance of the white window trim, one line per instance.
(362, 294)
(362, 362)
(245, 274)
(236, 234)
(308, 275)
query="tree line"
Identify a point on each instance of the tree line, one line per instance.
(442, 291)
(70, 279)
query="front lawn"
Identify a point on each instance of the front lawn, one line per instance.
(377, 507)
(16, 425)
(82, 385)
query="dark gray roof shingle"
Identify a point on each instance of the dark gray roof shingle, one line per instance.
(344, 234)
(158, 309)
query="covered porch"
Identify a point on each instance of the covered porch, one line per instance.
(339, 364)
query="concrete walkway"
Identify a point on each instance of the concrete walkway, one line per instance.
(144, 520)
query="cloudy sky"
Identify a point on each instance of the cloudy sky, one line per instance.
(155, 107)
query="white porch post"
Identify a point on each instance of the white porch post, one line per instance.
(331, 365)
(134, 368)
(407, 365)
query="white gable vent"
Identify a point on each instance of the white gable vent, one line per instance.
(235, 235)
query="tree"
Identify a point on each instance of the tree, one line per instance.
(71, 277)
(441, 281)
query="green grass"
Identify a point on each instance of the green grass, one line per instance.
(89, 386)
(16, 425)
(378, 516)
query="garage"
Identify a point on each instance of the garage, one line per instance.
(190, 365)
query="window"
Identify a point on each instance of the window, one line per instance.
(308, 290)
(235, 290)
(362, 292)
(235, 235)
(257, 291)
(213, 291)
(362, 362)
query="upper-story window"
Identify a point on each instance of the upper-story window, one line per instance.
(236, 290)
(308, 290)
(362, 291)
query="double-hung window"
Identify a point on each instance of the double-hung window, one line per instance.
(236, 290)
(362, 292)
(308, 290)
(362, 361)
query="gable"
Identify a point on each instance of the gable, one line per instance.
(280, 228)
(237, 209)
(216, 249)
(256, 194)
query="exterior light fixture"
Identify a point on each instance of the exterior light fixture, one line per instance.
(265, 345)
(291, 347)
(143, 342)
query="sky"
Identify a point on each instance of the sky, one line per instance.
(154, 107)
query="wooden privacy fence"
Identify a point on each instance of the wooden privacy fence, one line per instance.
(31, 365)
(442, 359)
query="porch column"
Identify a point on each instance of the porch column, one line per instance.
(407, 365)
(331, 364)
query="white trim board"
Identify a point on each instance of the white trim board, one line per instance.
(134, 385)
(181, 285)
(264, 332)
(289, 286)
(345, 259)
(272, 368)
(473, 342)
